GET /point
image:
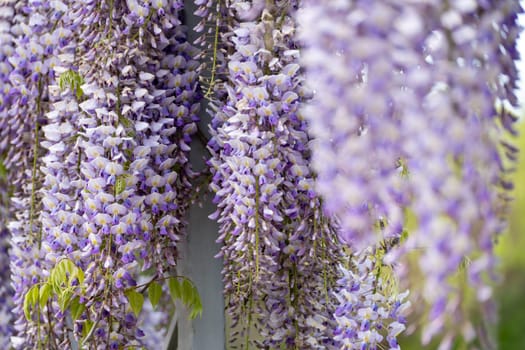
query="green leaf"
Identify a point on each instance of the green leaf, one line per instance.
(77, 274)
(154, 293)
(188, 292)
(68, 266)
(196, 308)
(136, 301)
(79, 92)
(64, 299)
(26, 307)
(193, 301)
(87, 328)
(45, 293)
(58, 275)
(76, 308)
(175, 289)
(72, 80)
(30, 300)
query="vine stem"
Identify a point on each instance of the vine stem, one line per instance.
(35, 161)
(257, 195)
(250, 308)
(209, 92)
(156, 278)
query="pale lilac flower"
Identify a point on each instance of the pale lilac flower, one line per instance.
(111, 166)
(278, 249)
(404, 116)
(371, 314)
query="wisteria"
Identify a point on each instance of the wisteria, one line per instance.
(352, 145)
(417, 132)
(354, 116)
(115, 203)
(371, 312)
(28, 100)
(272, 230)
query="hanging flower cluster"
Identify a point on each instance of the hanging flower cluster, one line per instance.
(109, 160)
(419, 126)
(461, 151)
(26, 100)
(354, 116)
(279, 250)
(370, 312)
(332, 122)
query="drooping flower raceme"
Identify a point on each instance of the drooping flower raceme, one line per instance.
(98, 105)
(278, 248)
(27, 101)
(456, 167)
(370, 314)
(355, 57)
(116, 170)
(399, 90)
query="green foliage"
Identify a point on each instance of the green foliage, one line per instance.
(136, 301)
(64, 299)
(45, 293)
(73, 81)
(76, 308)
(66, 284)
(31, 300)
(63, 279)
(175, 289)
(154, 293)
(186, 292)
(88, 326)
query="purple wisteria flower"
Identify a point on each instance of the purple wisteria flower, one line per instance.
(117, 175)
(371, 314)
(278, 249)
(25, 99)
(404, 115)
(354, 116)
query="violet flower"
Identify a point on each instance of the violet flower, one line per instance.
(415, 129)
(278, 249)
(117, 171)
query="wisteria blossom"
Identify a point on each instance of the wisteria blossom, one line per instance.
(420, 83)
(5, 289)
(116, 173)
(371, 314)
(135, 130)
(353, 144)
(459, 207)
(358, 65)
(27, 100)
(278, 249)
